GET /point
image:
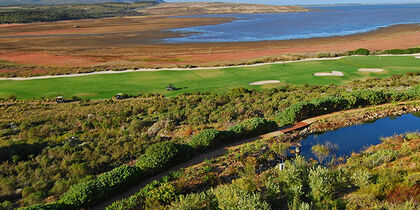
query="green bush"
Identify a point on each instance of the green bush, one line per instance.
(205, 139)
(86, 193)
(366, 97)
(195, 201)
(414, 92)
(83, 194)
(231, 196)
(321, 182)
(49, 206)
(360, 51)
(296, 112)
(120, 178)
(252, 127)
(162, 155)
(329, 104)
(402, 51)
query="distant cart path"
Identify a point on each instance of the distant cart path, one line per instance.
(179, 69)
(221, 151)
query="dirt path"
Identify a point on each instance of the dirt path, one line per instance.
(177, 69)
(221, 151)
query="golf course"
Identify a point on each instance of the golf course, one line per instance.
(102, 86)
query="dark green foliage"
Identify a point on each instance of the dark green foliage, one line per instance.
(329, 104)
(320, 106)
(205, 139)
(296, 112)
(83, 194)
(86, 193)
(252, 127)
(366, 97)
(248, 128)
(20, 151)
(155, 193)
(360, 51)
(402, 51)
(162, 155)
(48, 206)
(414, 92)
(28, 14)
(120, 178)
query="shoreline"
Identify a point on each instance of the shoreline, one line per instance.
(184, 69)
(298, 37)
(121, 51)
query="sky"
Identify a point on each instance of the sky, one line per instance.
(306, 2)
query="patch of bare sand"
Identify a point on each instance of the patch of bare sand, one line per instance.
(370, 70)
(333, 73)
(264, 82)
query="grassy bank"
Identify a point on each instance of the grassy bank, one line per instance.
(220, 80)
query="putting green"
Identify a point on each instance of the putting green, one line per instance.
(102, 86)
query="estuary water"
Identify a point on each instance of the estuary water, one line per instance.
(358, 137)
(331, 21)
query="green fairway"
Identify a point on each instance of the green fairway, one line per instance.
(107, 85)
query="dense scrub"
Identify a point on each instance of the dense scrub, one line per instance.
(29, 14)
(382, 177)
(355, 99)
(85, 139)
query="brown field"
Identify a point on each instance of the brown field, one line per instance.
(132, 43)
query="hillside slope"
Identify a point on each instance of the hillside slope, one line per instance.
(201, 8)
(52, 2)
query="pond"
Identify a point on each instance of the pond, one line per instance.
(358, 137)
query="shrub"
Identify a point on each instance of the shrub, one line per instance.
(254, 126)
(83, 194)
(329, 104)
(203, 200)
(295, 179)
(361, 178)
(402, 51)
(321, 183)
(49, 206)
(231, 196)
(360, 51)
(162, 195)
(86, 193)
(205, 139)
(414, 92)
(162, 155)
(296, 112)
(380, 157)
(366, 97)
(120, 178)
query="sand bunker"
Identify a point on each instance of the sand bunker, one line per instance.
(417, 56)
(371, 70)
(264, 82)
(333, 73)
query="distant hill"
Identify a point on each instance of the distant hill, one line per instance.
(52, 2)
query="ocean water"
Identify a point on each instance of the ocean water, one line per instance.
(332, 21)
